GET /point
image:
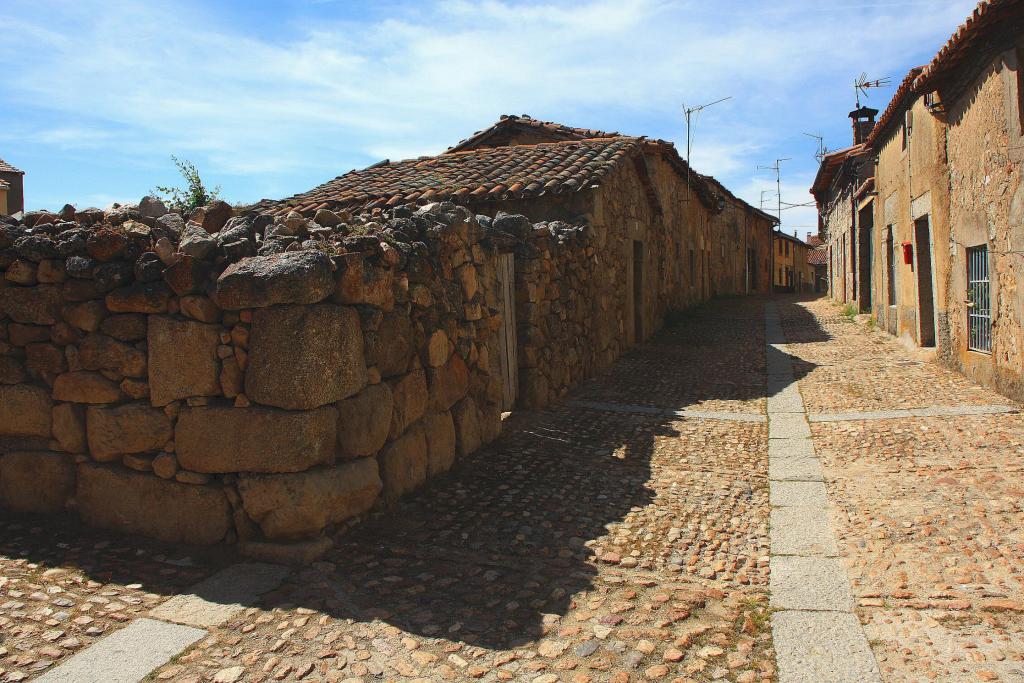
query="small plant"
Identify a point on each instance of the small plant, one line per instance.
(194, 195)
(849, 311)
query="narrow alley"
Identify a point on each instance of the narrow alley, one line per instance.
(630, 532)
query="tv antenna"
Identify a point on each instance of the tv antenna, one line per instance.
(862, 85)
(689, 112)
(822, 150)
(778, 183)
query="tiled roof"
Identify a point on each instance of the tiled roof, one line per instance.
(4, 185)
(554, 131)
(900, 102)
(830, 164)
(818, 256)
(492, 173)
(7, 168)
(987, 17)
(815, 241)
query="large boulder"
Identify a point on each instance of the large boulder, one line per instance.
(85, 387)
(294, 277)
(439, 429)
(151, 207)
(390, 346)
(304, 356)
(364, 421)
(223, 439)
(122, 500)
(302, 504)
(182, 359)
(36, 481)
(468, 430)
(411, 397)
(141, 297)
(39, 305)
(213, 216)
(403, 464)
(24, 410)
(129, 428)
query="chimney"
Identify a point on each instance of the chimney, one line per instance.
(808, 240)
(863, 122)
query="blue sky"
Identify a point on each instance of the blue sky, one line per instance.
(269, 98)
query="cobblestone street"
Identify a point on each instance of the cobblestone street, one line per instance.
(622, 535)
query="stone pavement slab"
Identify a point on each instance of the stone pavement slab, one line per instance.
(815, 647)
(788, 426)
(802, 531)
(798, 493)
(790, 448)
(809, 583)
(127, 655)
(220, 597)
(794, 469)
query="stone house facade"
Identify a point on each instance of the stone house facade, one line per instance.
(792, 272)
(939, 205)
(12, 189)
(664, 237)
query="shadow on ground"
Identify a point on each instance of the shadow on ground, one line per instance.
(486, 552)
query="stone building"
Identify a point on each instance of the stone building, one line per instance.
(924, 216)
(792, 271)
(665, 236)
(12, 193)
(817, 259)
(266, 376)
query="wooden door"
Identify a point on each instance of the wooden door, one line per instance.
(507, 333)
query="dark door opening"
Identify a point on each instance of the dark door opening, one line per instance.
(638, 291)
(925, 295)
(866, 222)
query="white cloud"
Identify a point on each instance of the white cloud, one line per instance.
(330, 94)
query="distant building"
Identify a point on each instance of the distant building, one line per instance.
(12, 193)
(817, 258)
(792, 272)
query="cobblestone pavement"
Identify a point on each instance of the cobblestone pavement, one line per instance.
(583, 545)
(929, 512)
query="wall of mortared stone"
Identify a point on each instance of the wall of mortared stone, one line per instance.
(234, 378)
(987, 207)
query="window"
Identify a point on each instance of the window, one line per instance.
(979, 311)
(693, 268)
(787, 248)
(890, 254)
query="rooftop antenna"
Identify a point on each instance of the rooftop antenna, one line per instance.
(689, 112)
(822, 150)
(778, 182)
(862, 85)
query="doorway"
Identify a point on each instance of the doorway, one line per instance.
(925, 294)
(866, 237)
(507, 348)
(638, 291)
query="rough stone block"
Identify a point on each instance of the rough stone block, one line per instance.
(389, 347)
(36, 481)
(297, 505)
(448, 383)
(294, 277)
(85, 316)
(24, 410)
(362, 283)
(39, 305)
(304, 356)
(116, 498)
(182, 359)
(85, 387)
(411, 399)
(130, 428)
(221, 439)
(141, 297)
(468, 432)
(364, 421)
(439, 429)
(403, 464)
(69, 427)
(100, 352)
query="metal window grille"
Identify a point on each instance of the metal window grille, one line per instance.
(979, 307)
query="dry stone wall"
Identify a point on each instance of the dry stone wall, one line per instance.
(231, 378)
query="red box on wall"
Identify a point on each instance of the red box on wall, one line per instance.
(908, 253)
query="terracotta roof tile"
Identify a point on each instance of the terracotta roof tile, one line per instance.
(557, 131)
(818, 256)
(988, 17)
(7, 168)
(492, 173)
